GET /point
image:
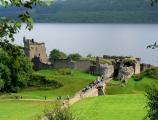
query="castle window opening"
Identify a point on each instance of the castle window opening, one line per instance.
(116, 72)
(128, 64)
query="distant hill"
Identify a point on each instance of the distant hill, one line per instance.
(93, 11)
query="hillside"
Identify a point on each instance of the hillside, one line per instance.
(93, 11)
(71, 83)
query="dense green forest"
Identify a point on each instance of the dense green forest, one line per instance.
(92, 11)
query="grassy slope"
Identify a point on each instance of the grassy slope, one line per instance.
(133, 87)
(123, 102)
(71, 84)
(26, 110)
(21, 110)
(113, 107)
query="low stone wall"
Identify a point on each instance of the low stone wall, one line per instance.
(144, 67)
(89, 93)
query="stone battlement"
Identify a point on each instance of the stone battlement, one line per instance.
(35, 50)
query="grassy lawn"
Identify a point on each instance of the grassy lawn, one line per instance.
(21, 110)
(71, 84)
(111, 107)
(132, 87)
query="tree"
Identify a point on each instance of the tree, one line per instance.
(152, 103)
(15, 67)
(14, 72)
(9, 27)
(75, 56)
(57, 54)
(89, 55)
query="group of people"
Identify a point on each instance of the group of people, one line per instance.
(93, 84)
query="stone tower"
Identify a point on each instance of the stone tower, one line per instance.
(35, 50)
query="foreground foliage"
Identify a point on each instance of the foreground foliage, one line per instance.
(152, 104)
(59, 113)
(15, 71)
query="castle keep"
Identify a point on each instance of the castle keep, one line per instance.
(35, 50)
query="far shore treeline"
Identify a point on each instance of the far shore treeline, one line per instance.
(91, 11)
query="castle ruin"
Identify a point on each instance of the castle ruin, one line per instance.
(35, 50)
(119, 67)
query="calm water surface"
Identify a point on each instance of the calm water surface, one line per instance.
(97, 39)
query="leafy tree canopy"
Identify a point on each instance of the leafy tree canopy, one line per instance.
(14, 72)
(57, 54)
(75, 56)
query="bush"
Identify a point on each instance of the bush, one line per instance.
(58, 113)
(137, 77)
(65, 71)
(152, 73)
(152, 104)
(42, 81)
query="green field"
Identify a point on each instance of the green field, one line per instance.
(71, 84)
(22, 110)
(111, 107)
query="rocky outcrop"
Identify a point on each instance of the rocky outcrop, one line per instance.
(125, 73)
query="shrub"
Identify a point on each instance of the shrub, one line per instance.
(152, 73)
(38, 81)
(137, 77)
(65, 71)
(152, 104)
(59, 113)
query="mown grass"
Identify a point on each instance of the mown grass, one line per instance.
(22, 110)
(132, 87)
(71, 84)
(111, 107)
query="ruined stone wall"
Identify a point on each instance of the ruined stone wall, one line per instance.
(125, 73)
(82, 65)
(104, 70)
(33, 49)
(38, 65)
(144, 67)
(63, 63)
(137, 68)
(90, 93)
